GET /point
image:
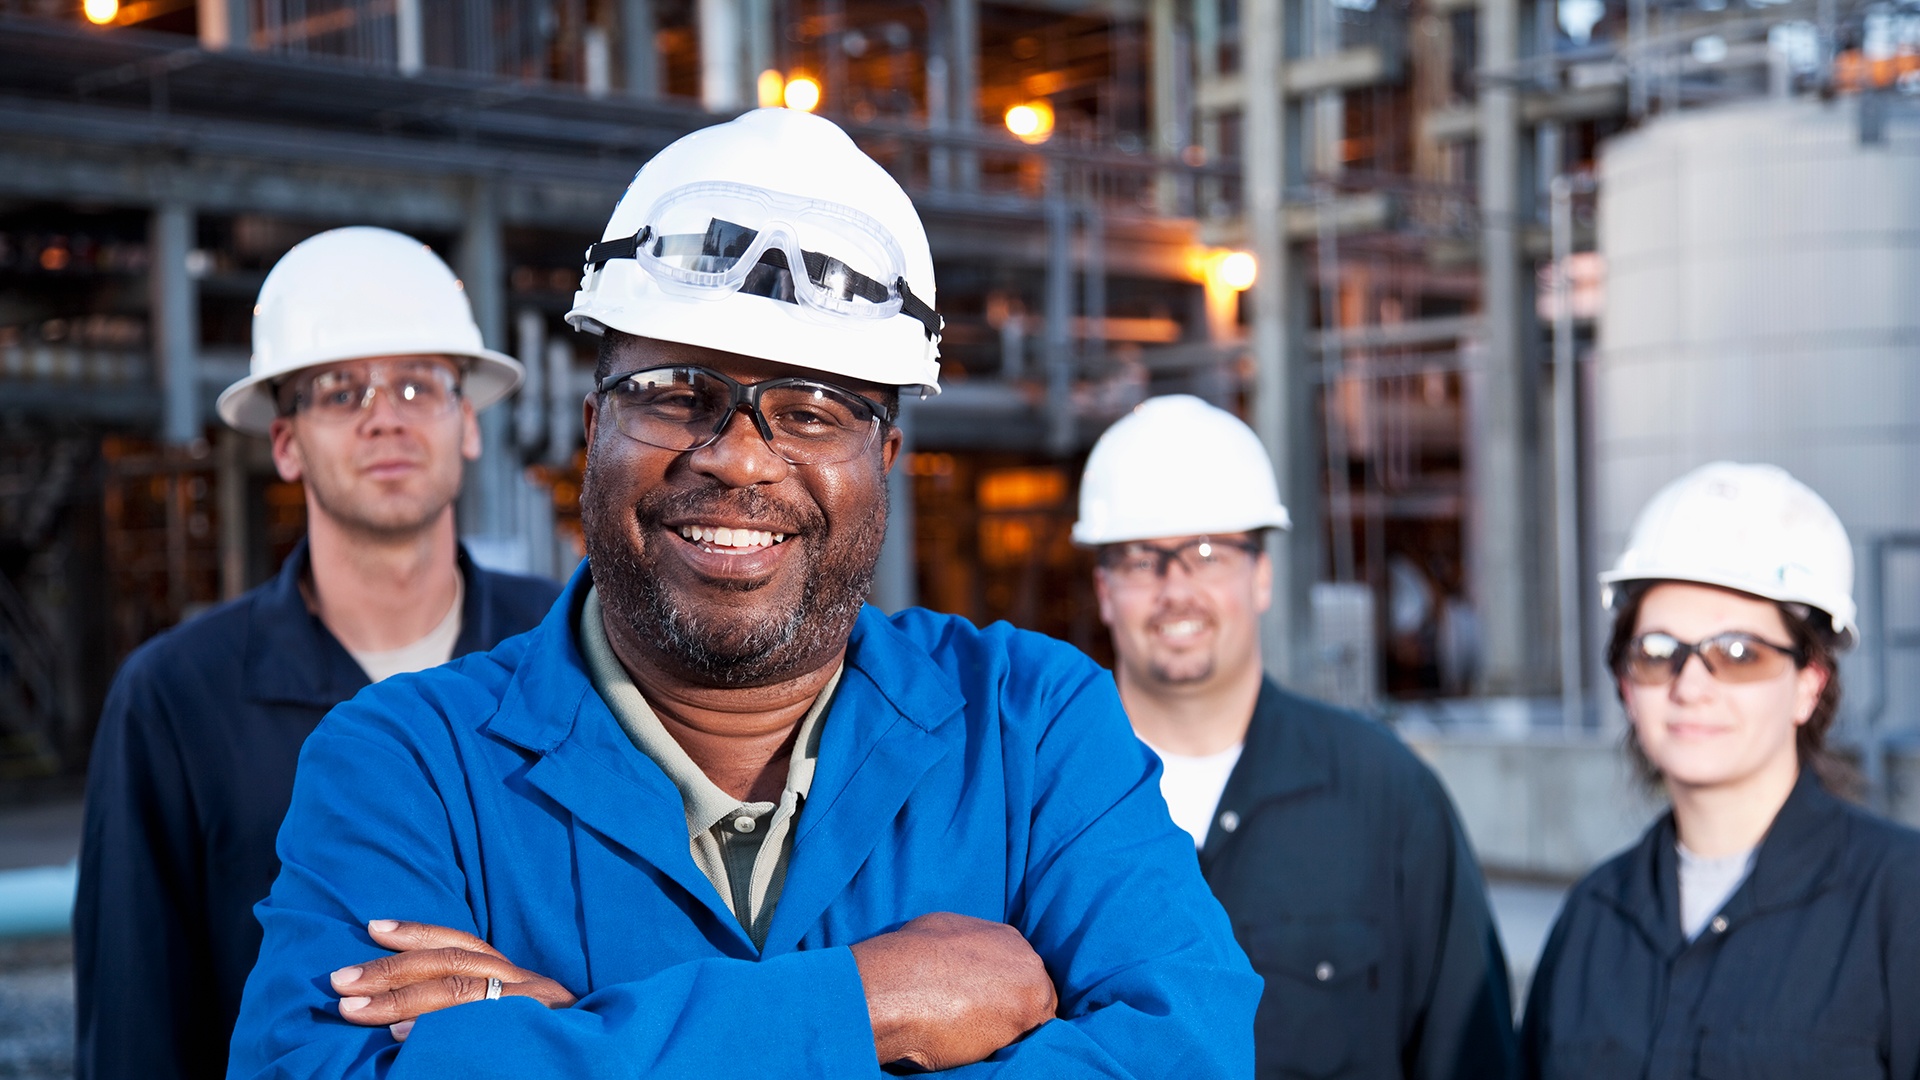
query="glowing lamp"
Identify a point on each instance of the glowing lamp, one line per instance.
(101, 12)
(802, 93)
(1032, 122)
(1237, 270)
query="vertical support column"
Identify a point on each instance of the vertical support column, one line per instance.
(760, 45)
(1169, 125)
(563, 403)
(408, 38)
(1566, 467)
(893, 577)
(1059, 318)
(721, 79)
(486, 504)
(1093, 283)
(639, 55)
(1282, 399)
(1503, 559)
(963, 76)
(230, 481)
(176, 321)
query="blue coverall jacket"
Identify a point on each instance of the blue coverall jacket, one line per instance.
(190, 775)
(1811, 970)
(986, 772)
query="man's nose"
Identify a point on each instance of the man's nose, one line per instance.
(740, 457)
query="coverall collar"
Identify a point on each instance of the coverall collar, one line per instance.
(1797, 858)
(887, 726)
(292, 658)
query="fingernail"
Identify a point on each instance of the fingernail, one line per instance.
(353, 1004)
(383, 926)
(400, 1030)
(346, 975)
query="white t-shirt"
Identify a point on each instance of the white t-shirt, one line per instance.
(430, 651)
(1705, 885)
(1192, 787)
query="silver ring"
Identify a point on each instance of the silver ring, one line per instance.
(493, 989)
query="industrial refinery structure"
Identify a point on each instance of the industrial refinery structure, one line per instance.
(1512, 264)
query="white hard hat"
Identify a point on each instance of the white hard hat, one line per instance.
(699, 251)
(1751, 528)
(1177, 466)
(349, 294)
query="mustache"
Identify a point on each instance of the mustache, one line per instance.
(657, 507)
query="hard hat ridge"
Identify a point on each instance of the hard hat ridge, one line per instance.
(1177, 466)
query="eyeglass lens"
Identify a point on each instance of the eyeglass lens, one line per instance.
(1656, 659)
(418, 391)
(686, 408)
(1204, 558)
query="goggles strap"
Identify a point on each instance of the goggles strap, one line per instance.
(626, 247)
(917, 308)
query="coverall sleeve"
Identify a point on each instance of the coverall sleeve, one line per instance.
(1151, 981)
(369, 835)
(1465, 1023)
(142, 965)
(1533, 1028)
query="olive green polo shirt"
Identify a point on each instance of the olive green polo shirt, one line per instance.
(742, 847)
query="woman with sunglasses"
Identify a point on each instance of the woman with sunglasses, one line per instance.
(1764, 928)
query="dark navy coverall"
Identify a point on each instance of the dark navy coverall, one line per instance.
(191, 772)
(1354, 891)
(1811, 971)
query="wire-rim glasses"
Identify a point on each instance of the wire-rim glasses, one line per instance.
(684, 408)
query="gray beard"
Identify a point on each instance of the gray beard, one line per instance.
(699, 642)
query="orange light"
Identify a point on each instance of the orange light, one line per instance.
(101, 12)
(1238, 270)
(802, 93)
(1032, 122)
(772, 87)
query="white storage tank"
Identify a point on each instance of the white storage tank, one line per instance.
(1763, 304)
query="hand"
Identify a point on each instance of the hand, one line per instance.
(947, 990)
(433, 968)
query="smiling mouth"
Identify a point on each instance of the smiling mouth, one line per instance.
(723, 540)
(1180, 628)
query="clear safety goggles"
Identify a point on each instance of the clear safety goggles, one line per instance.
(716, 237)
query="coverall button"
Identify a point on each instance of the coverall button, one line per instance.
(1323, 971)
(1229, 821)
(743, 824)
(1719, 924)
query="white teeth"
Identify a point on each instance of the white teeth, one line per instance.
(722, 536)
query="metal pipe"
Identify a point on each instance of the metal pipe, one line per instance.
(1566, 470)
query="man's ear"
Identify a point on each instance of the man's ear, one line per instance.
(890, 447)
(287, 458)
(1262, 582)
(589, 413)
(470, 445)
(1104, 595)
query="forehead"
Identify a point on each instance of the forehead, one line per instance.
(627, 352)
(1692, 612)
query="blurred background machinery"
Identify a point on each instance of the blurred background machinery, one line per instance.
(1481, 272)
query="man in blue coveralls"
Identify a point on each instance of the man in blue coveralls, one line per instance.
(715, 816)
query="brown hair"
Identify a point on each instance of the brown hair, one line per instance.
(1812, 633)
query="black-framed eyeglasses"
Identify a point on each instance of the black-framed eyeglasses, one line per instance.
(684, 408)
(1204, 558)
(1656, 659)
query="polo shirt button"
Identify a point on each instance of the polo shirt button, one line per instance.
(743, 823)
(1719, 924)
(1229, 821)
(1323, 971)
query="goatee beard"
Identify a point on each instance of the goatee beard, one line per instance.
(710, 643)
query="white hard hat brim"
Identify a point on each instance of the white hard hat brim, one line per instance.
(1612, 582)
(248, 405)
